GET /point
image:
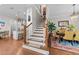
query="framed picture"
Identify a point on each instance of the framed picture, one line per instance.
(43, 9)
(29, 18)
(2, 23)
(63, 23)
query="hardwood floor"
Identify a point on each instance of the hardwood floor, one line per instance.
(14, 47)
(27, 52)
(55, 51)
(9, 46)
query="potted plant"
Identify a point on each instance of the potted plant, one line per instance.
(72, 27)
(51, 28)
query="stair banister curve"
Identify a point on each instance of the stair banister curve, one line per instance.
(25, 30)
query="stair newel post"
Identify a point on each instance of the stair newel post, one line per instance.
(25, 34)
(46, 34)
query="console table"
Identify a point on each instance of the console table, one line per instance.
(4, 33)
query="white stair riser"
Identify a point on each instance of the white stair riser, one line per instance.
(38, 40)
(37, 43)
(40, 27)
(38, 34)
(39, 31)
(34, 45)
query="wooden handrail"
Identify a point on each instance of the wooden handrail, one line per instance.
(25, 30)
(28, 25)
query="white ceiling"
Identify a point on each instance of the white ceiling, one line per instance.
(11, 10)
(54, 11)
(59, 11)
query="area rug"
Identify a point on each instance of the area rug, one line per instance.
(57, 45)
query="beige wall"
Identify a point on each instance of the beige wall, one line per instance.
(36, 18)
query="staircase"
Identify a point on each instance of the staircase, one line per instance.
(36, 42)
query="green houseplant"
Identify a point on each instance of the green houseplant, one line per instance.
(72, 27)
(51, 28)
